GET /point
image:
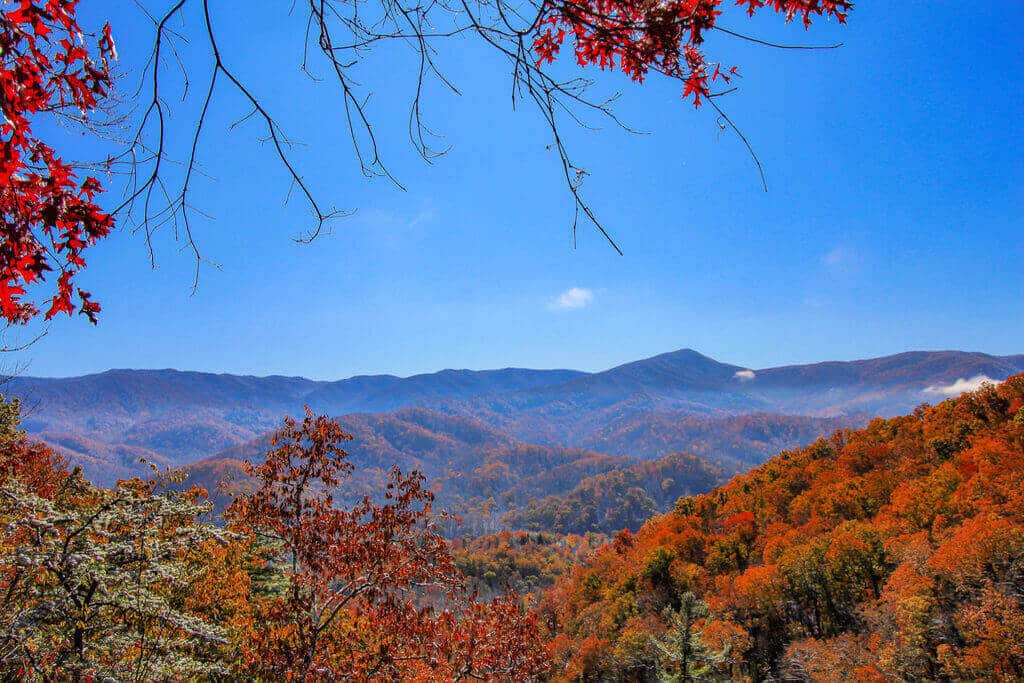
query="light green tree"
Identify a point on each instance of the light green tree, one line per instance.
(684, 657)
(10, 419)
(93, 581)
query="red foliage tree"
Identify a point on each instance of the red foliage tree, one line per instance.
(665, 37)
(371, 591)
(48, 216)
(893, 552)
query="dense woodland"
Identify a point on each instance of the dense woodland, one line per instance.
(489, 479)
(526, 562)
(891, 552)
(895, 552)
(622, 498)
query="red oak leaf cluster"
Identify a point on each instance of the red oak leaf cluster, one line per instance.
(637, 36)
(48, 216)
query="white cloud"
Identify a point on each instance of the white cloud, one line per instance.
(961, 385)
(815, 302)
(744, 375)
(425, 215)
(572, 298)
(841, 258)
(394, 221)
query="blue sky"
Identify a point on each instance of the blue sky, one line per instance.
(892, 221)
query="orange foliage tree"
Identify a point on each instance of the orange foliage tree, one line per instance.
(891, 552)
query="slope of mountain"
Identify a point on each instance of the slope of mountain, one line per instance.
(883, 386)
(104, 463)
(524, 562)
(382, 393)
(681, 381)
(475, 471)
(623, 498)
(184, 416)
(679, 401)
(746, 439)
(688, 382)
(489, 479)
(496, 481)
(895, 552)
(663, 375)
(912, 368)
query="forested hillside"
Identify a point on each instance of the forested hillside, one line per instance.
(676, 402)
(521, 561)
(895, 552)
(129, 582)
(184, 416)
(623, 498)
(744, 439)
(474, 471)
(687, 382)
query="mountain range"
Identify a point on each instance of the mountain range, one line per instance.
(461, 426)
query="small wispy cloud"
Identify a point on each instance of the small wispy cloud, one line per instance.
(841, 258)
(745, 375)
(425, 215)
(390, 220)
(815, 301)
(961, 386)
(571, 299)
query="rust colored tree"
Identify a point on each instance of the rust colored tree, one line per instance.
(893, 552)
(366, 592)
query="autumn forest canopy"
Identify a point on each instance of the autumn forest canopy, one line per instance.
(669, 518)
(889, 552)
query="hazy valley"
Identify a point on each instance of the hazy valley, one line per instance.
(556, 450)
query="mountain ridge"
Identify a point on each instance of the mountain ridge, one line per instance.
(682, 352)
(178, 417)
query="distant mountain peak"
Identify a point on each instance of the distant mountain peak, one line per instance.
(181, 415)
(685, 368)
(684, 354)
